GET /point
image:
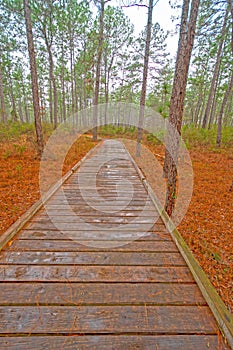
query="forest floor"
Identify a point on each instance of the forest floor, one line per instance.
(206, 227)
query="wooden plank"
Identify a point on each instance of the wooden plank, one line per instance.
(158, 235)
(92, 258)
(84, 207)
(13, 293)
(80, 226)
(117, 342)
(73, 246)
(74, 186)
(106, 319)
(74, 201)
(94, 213)
(45, 219)
(60, 273)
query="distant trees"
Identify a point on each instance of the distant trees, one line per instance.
(86, 57)
(230, 83)
(211, 67)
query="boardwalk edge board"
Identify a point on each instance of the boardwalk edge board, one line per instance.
(18, 224)
(217, 306)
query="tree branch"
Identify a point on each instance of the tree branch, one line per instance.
(139, 5)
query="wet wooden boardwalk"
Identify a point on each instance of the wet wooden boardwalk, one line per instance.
(97, 269)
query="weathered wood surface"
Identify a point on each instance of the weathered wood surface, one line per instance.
(82, 277)
(100, 293)
(113, 342)
(73, 246)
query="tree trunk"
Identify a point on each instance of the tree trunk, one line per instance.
(20, 110)
(63, 87)
(14, 111)
(35, 91)
(50, 97)
(98, 70)
(223, 105)
(230, 85)
(54, 85)
(144, 78)
(72, 69)
(107, 70)
(186, 40)
(25, 103)
(216, 72)
(2, 98)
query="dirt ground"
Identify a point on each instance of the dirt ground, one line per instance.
(207, 226)
(19, 180)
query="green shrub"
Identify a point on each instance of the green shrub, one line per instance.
(197, 137)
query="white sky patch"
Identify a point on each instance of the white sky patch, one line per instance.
(162, 14)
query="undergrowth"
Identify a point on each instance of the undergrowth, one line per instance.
(193, 136)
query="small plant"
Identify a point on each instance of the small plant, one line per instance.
(6, 154)
(216, 256)
(18, 168)
(20, 149)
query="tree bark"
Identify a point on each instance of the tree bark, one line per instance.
(230, 85)
(25, 102)
(144, 78)
(2, 98)
(53, 81)
(223, 105)
(20, 110)
(98, 70)
(33, 69)
(186, 40)
(63, 86)
(14, 111)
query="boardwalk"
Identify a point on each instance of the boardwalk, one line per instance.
(95, 271)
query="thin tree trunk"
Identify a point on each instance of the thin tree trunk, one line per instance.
(187, 35)
(2, 98)
(144, 78)
(50, 97)
(72, 70)
(214, 104)
(63, 88)
(228, 110)
(25, 102)
(20, 110)
(223, 105)
(98, 70)
(14, 111)
(54, 85)
(229, 89)
(35, 91)
(216, 72)
(107, 70)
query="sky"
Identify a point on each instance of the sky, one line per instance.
(162, 14)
